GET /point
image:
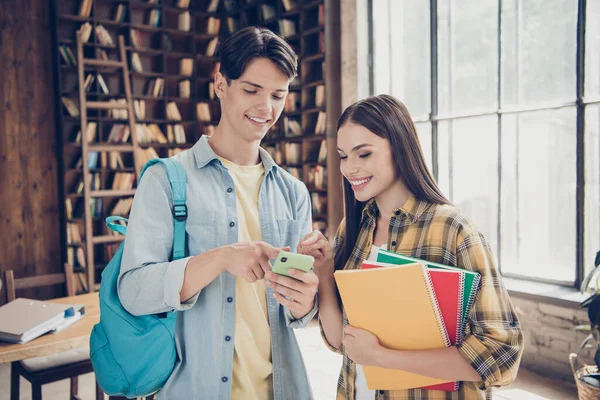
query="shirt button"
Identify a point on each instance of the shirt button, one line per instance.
(227, 338)
(513, 323)
(397, 212)
(393, 243)
(229, 299)
(381, 392)
(232, 224)
(229, 190)
(224, 379)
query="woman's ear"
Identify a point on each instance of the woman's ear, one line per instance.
(221, 85)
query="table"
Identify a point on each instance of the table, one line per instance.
(77, 335)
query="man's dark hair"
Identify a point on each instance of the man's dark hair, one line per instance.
(252, 42)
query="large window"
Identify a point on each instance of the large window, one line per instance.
(505, 95)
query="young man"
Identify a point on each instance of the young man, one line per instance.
(234, 336)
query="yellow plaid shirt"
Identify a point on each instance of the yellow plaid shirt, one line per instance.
(493, 341)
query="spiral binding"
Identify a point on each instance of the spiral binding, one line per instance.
(460, 316)
(433, 298)
(475, 289)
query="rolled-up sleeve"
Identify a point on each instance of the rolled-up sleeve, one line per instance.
(304, 213)
(148, 282)
(493, 343)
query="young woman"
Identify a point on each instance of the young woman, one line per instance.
(392, 201)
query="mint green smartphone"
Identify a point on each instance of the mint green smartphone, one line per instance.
(286, 260)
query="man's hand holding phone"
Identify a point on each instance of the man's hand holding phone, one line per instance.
(249, 260)
(294, 282)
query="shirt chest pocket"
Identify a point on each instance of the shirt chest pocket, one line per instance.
(289, 232)
(201, 228)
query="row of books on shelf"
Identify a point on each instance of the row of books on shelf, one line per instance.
(73, 233)
(67, 54)
(120, 181)
(292, 153)
(121, 133)
(73, 109)
(85, 7)
(319, 203)
(203, 112)
(147, 154)
(295, 101)
(121, 207)
(89, 79)
(76, 257)
(317, 177)
(184, 23)
(102, 159)
(268, 12)
(105, 39)
(293, 128)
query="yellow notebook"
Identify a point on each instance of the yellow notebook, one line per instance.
(398, 305)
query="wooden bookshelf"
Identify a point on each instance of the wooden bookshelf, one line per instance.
(303, 140)
(155, 43)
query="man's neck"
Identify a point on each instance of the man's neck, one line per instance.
(232, 147)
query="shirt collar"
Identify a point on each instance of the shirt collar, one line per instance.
(412, 209)
(204, 154)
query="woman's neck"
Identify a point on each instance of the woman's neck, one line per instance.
(392, 198)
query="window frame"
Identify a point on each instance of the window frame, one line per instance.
(580, 103)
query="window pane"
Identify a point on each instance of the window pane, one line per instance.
(410, 55)
(474, 171)
(538, 211)
(467, 55)
(381, 47)
(538, 51)
(592, 185)
(424, 132)
(592, 49)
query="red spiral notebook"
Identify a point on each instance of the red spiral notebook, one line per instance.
(448, 287)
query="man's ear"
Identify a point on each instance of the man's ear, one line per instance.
(221, 85)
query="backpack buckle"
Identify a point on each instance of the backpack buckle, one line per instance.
(180, 212)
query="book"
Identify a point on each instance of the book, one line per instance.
(85, 8)
(213, 25)
(85, 30)
(184, 21)
(448, 287)
(23, 320)
(472, 279)
(186, 66)
(233, 25)
(212, 7)
(287, 28)
(398, 305)
(211, 48)
(184, 89)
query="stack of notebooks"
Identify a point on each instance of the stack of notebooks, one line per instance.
(23, 320)
(409, 304)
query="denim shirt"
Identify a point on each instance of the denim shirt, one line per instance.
(149, 283)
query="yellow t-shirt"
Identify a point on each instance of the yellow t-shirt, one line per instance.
(252, 366)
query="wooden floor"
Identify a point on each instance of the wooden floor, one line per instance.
(323, 368)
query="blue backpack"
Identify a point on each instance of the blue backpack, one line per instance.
(134, 356)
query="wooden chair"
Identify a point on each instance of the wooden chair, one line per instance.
(41, 370)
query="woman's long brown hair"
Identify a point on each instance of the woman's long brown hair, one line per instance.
(388, 118)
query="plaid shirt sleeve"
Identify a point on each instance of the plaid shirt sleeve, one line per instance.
(337, 240)
(493, 343)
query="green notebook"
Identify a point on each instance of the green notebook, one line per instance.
(471, 278)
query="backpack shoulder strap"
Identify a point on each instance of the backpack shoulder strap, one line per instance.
(178, 180)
